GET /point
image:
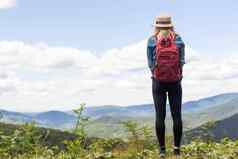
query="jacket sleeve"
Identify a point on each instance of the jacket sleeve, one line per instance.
(181, 46)
(150, 58)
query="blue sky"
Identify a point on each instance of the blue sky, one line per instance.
(98, 25)
(56, 54)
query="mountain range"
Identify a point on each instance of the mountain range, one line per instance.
(105, 120)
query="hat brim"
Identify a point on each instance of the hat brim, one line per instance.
(163, 25)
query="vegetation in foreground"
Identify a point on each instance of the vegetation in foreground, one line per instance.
(26, 142)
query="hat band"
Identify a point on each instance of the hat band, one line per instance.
(165, 22)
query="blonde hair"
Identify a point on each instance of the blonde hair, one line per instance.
(157, 30)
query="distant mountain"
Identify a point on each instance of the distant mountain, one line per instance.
(50, 119)
(15, 117)
(215, 130)
(148, 109)
(209, 102)
(212, 113)
(113, 111)
(54, 118)
(105, 119)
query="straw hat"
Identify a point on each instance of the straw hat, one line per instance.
(163, 22)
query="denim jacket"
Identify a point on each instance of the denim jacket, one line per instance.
(151, 44)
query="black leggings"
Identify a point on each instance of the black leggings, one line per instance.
(174, 90)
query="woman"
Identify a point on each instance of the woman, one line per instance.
(164, 27)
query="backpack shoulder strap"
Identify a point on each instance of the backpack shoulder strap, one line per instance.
(172, 34)
(156, 36)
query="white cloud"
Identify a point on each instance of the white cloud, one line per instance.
(37, 77)
(5, 4)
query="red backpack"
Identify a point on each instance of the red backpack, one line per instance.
(167, 59)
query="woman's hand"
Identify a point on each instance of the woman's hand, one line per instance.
(181, 67)
(152, 71)
(156, 65)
